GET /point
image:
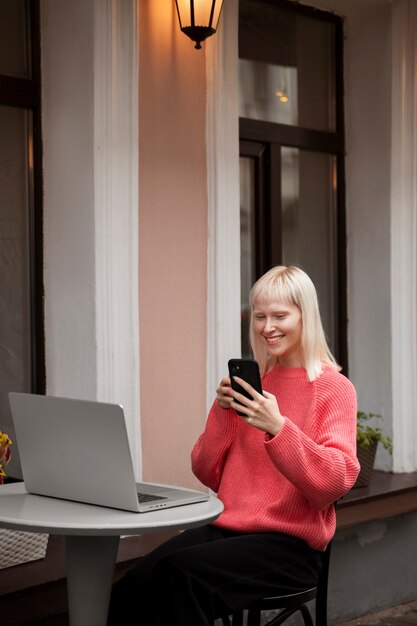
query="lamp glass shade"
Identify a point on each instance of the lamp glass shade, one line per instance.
(199, 13)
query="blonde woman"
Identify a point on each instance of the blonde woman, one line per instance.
(278, 468)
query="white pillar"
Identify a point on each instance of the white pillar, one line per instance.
(90, 159)
(223, 298)
(404, 233)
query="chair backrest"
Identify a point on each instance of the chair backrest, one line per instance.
(291, 603)
(322, 588)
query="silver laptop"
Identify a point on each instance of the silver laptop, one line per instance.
(79, 450)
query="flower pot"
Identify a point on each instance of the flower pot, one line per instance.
(366, 459)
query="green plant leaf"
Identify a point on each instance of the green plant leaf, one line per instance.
(366, 435)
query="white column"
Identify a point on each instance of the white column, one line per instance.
(90, 138)
(404, 233)
(223, 297)
(116, 209)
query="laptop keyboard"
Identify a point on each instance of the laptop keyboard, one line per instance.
(148, 497)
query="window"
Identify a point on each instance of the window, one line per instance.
(292, 153)
(21, 328)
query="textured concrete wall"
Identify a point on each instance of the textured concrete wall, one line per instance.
(373, 566)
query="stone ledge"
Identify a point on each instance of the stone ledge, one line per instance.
(386, 496)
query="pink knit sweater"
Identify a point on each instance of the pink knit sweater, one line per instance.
(287, 483)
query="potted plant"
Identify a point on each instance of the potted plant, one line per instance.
(367, 438)
(17, 546)
(5, 443)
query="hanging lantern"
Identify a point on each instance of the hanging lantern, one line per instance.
(199, 18)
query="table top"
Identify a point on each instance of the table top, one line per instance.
(20, 510)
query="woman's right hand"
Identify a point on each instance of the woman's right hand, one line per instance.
(222, 393)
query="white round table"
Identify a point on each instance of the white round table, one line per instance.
(92, 536)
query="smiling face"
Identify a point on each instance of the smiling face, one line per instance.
(279, 326)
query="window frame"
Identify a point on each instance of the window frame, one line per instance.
(274, 135)
(26, 93)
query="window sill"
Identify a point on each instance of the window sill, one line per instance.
(386, 495)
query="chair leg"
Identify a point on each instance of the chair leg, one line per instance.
(237, 619)
(321, 610)
(254, 617)
(307, 616)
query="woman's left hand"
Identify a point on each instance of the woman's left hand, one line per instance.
(262, 412)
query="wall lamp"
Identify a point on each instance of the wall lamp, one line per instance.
(198, 18)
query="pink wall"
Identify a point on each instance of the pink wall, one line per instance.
(172, 243)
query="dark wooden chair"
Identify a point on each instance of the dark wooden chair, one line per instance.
(287, 605)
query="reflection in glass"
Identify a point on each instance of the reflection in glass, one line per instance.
(247, 243)
(268, 92)
(14, 53)
(286, 54)
(309, 222)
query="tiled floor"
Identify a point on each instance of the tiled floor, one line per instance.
(403, 615)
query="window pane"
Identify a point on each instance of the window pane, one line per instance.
(14, 53)
(247, 243)
(268, 92)
(309, 224)
(15, 367)
(286, 67)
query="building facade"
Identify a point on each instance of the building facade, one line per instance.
(141, 216)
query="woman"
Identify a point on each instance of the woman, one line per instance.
(278, 470)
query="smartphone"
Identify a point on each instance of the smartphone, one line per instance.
(248, 369)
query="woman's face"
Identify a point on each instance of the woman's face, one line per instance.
(279, 325)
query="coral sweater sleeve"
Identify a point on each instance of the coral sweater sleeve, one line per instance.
(286, 483)
(211, 450)
(321, 463)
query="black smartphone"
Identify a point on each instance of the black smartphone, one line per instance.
(248, 369)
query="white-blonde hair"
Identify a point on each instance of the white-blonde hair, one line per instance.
(291, 285)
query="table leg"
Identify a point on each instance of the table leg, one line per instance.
(90, 564)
